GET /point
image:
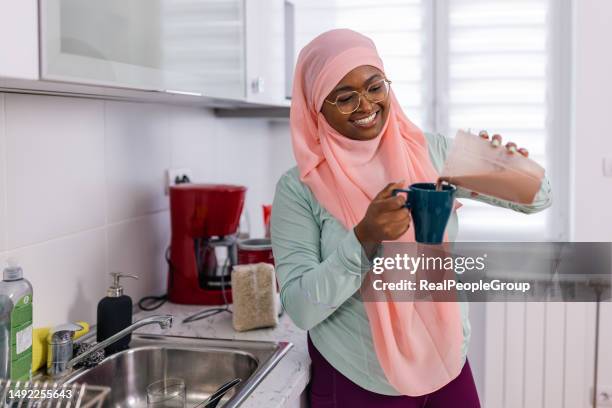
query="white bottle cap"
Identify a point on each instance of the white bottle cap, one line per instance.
(12, 271)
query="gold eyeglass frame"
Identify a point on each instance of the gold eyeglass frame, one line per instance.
(364, 93)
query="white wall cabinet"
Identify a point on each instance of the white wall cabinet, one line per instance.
(265, 46)
(225, 50)
(19, 39)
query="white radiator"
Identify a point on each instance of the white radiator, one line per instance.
(538, 355)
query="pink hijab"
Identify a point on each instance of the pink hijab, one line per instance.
(417, 344)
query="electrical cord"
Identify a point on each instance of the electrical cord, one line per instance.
(150, 303)
(206, 313)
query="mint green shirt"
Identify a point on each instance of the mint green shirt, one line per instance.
(319, 268)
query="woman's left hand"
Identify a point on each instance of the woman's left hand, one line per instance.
(496, 141)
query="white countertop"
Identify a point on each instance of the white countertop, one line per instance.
(284, 384)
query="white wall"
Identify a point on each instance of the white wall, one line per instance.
(592, 192)
(82, 190)
(592, 219)
(281, 151)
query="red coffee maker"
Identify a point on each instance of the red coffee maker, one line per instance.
(204, 220)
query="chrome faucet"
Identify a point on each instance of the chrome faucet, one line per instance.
(59, 354)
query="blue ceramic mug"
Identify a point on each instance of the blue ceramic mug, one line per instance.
(430, 210)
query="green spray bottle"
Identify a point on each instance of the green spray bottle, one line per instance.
(15, 325)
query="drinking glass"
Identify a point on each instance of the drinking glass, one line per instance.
(166, 393)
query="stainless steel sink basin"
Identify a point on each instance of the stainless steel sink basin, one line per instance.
(204, 364)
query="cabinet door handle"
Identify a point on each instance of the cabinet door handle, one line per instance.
(257, 85)
(289, 46)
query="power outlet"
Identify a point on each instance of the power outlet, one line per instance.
(604, 396)
(175, 176)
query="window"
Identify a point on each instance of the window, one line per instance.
(499, 65)
(397, 27)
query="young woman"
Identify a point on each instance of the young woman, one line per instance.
(354, 145)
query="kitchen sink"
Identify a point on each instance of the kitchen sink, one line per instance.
(204, 364)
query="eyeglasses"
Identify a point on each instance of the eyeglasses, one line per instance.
(348, 102)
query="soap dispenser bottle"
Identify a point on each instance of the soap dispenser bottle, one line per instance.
(115, 314)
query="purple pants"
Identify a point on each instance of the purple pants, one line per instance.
(330, 389)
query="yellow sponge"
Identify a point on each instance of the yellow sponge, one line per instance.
(39, 344)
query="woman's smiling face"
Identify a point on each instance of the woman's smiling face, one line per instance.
(368, 120)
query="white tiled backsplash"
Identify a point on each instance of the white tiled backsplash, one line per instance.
(82, 189)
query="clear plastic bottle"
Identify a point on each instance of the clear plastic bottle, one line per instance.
(474, 164)
(15, 325)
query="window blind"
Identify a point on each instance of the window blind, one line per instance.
(496, 54)
(464, 64)
(395, 26)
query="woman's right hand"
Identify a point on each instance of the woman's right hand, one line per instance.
(386, 218)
